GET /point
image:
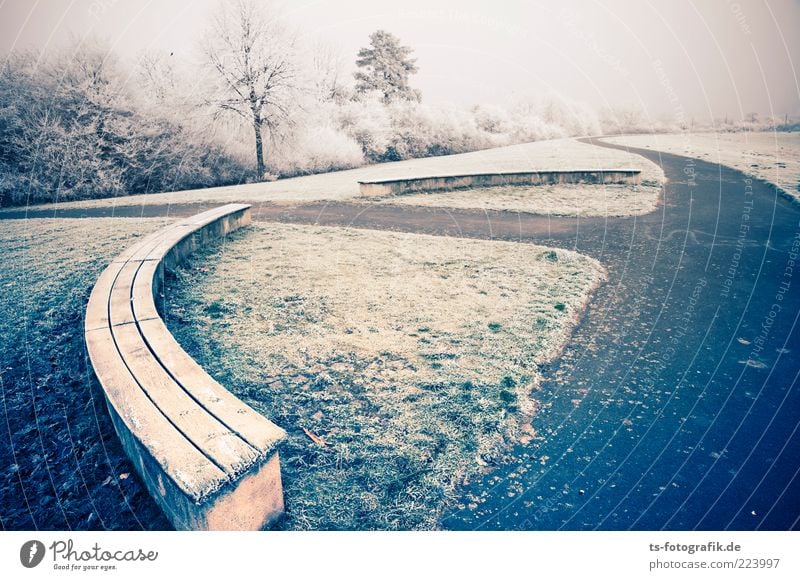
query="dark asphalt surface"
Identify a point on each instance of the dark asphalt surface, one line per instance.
(675, 405)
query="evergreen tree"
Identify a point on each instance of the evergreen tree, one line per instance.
(385, 67)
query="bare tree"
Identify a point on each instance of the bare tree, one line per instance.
(157, 73)
(327, 70)
(252, 55)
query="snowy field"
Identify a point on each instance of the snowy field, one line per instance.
(343, 185)
(771, 156)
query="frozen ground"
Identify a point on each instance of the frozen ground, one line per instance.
(61, 464)
(771, 156)
(555, 200)
(408, 359)
(343, 185)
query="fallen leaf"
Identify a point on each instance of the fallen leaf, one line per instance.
(315, 438)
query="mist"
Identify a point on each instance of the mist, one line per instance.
(678, 61)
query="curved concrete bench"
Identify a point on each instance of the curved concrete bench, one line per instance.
(400, 186)
(209, 460)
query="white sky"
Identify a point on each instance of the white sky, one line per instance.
(710, 58)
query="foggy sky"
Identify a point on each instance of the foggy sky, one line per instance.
(675, 58)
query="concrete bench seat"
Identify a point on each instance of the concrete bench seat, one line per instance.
(209, 460)
(399, 186)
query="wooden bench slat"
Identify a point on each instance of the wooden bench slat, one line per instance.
(224, 447)
(143, 303)
(119, 301)
(191, 470)
(253, 427)
(211, 215)
(144, 244)
(403, 185)
(97, 309)
(139, 250)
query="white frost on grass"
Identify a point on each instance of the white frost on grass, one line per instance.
(326, 292)
(409, 357)
(554, 200)
(50, 251)
(771, 156)
(343, 185)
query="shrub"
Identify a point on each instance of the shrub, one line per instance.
(72, 130)
(316, 149)
(72, 127)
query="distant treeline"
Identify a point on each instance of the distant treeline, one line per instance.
(81, 124)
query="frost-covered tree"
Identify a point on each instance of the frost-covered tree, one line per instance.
(252, 54)
(326, 66)
(385, 67)
(71, 128)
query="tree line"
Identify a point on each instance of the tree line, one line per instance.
(80, 123)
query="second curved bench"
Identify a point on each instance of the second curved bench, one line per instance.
(209, 460)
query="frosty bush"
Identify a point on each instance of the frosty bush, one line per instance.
(423, 131)
(71, 130)
(368, 123)
(492, 119)
(316, 149)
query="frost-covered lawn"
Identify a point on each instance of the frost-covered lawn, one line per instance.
(343, 185)
(400, 364)
(771, 156)
(555, 200)
(61, 465)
